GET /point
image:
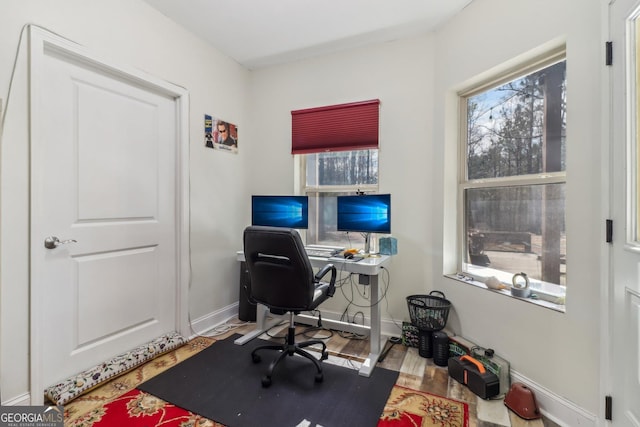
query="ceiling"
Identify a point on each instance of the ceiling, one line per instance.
(259, 33)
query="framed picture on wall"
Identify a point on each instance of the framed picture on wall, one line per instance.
(220, 134)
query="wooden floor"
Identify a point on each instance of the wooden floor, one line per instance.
(415, 372)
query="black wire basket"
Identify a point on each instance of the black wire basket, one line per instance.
(429, 312)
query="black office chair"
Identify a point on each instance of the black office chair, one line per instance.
(283, 280)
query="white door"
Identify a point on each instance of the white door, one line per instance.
(105, 182)
(624, 300)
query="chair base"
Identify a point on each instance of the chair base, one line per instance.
(290, 348)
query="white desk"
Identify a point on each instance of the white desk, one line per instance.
(369, 267)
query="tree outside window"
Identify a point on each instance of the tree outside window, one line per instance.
(513, 188)
(328, 175)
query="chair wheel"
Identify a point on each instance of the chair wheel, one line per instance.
(266, 381)
(319, 377)
(256, 358)
(325, 355)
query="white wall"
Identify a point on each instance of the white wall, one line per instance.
(416, 81)
(558, 351)
(400, 74)
(130, 33)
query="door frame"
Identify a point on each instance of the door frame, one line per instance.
(624, 229)
(606, 250)
(40, 41)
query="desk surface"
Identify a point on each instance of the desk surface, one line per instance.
(369, 266)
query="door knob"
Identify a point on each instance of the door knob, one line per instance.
(52, 242)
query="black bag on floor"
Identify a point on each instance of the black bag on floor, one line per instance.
(470, 372)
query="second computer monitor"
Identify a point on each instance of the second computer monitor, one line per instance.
(369, 213)
(280, 211)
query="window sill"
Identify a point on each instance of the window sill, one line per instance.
(532, 300)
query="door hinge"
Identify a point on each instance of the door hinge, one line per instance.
(608, 48)
(608, 401)
(609, 230)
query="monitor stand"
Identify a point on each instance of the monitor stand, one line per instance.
(367, 246)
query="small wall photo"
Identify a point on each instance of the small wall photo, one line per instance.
(220, 135)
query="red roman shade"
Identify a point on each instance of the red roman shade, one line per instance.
(342, 127)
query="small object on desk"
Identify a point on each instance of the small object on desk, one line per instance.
(318, 253)
(322, 251)
(388, 245)
(351, 255)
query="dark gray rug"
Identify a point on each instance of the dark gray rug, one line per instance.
(223, 384)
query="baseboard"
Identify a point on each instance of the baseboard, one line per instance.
(21, 400)
(391, 328)
(556, 408)
(204, 324)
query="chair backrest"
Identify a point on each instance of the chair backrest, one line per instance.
(279, 269)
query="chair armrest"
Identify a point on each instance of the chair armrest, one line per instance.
(332, 282)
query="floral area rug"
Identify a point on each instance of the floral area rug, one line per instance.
(96, 405)
(407, 407)
(119, 403)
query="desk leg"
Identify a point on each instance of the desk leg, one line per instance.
(376, 341)
(262, 325)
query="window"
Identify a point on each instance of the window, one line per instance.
(512, 186)
(336, 159)
(327, 175)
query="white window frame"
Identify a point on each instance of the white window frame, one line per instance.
(550, 295)
(304, 189)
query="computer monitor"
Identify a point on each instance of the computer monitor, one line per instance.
(369, 213)
(280, 211)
